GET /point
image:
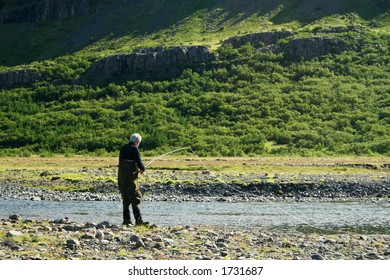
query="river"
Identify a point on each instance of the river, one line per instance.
(367, 217)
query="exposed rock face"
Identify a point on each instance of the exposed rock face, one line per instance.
(152, 62)
(313, 47)
(305, 47)
(258, 39)
(42, 10)
(19, 77)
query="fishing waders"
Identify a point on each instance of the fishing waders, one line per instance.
(130, 191)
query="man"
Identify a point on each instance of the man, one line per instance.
(130, 164)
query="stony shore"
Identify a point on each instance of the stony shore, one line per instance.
(64, 239)
(196, 186)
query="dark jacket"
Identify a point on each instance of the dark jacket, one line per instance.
(130, 153)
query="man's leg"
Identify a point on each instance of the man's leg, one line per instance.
(135, 204)
(126, 211)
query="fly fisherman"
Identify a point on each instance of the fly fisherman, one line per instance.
(130, 164)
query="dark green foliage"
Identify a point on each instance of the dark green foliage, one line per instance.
(250, 103)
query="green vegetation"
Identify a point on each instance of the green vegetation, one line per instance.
(248, 103)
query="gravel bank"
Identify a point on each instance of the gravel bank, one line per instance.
(64, 239)
(195, 186)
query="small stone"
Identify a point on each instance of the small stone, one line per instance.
(159, 245)
(363, 237)
(224, 253)
(99, 235)
(88, 235)
(157, 239)
(104, 224)
(90, 225)
(317, 257)
(134, 238)
(138, 241)
(221, 245)
(169, 241)
(44, 173)
(47, 228)
(15, 217)
(72, 244)
(14, 233)
(338, 256)
(372, 256)
(139, 244)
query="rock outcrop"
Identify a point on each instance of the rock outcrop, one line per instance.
(294, 48)
(258, 39)
(20, 77)
(310, 47)
(159, 62)
(42, 10)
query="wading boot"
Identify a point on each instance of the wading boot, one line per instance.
(126, 217)
(138, 217)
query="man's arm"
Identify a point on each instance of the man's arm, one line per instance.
(139, 161)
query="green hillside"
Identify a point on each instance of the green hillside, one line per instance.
(248, 102)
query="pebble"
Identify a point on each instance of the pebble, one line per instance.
(72, 244)
(317, 257)
(14, 233)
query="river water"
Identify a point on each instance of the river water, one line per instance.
(366, 217)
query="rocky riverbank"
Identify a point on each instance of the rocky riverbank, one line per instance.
(100, 185)
(65, 239)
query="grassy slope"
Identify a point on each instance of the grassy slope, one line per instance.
(116, 27)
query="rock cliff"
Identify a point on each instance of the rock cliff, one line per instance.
(159, 62)
(310, 47)
(41, 10)
(258, 39)
(20, 77)
(149, 63)
(294, 48)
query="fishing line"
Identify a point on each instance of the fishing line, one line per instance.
(240, 191)
(171, 152)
